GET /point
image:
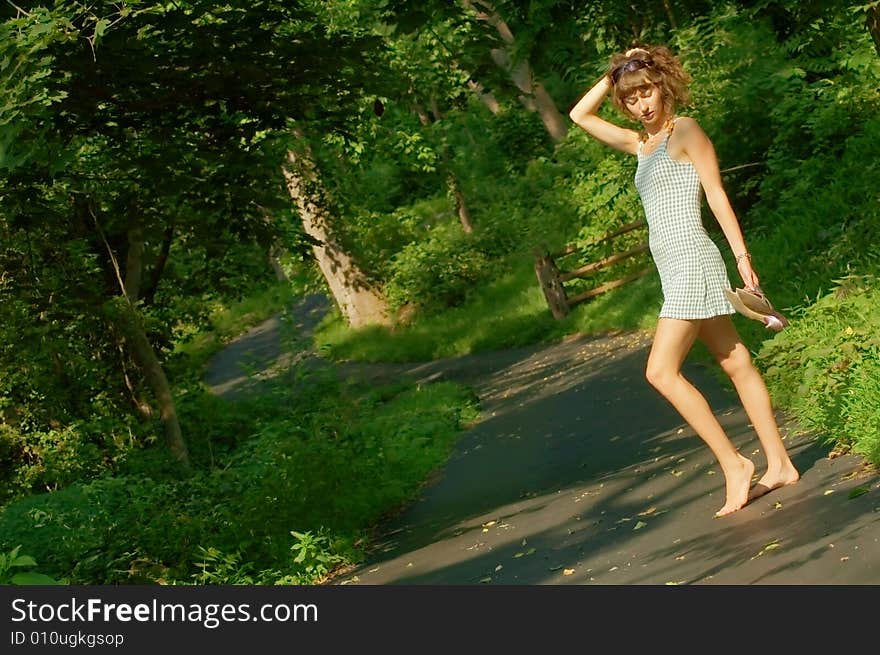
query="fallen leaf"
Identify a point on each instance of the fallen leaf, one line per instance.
(844, 558)
(498, 568)
(828, 491)
(485, 580)
(613, 568)
(639, 525)
(676, 473)
(568, 572)
(648, 511)
(777, 505)
(680, 557)
(489, 524)
(518, 555)
(771, 546)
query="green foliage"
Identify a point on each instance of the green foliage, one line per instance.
(290, 488)
(315, 555)
(170, 121)
(437, 273)
(11, 570)
(739, 71)
(824, 368)
(141, 144)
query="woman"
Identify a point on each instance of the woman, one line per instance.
(675, 161)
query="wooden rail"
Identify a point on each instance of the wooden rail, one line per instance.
(552, 280)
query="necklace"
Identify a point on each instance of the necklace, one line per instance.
(668, 125)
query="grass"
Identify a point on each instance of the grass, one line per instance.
(288, 494)
(506, 313)
(286, 486)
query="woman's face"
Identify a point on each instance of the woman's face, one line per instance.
(646, 105)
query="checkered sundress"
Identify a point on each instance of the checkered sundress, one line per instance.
(692, 272)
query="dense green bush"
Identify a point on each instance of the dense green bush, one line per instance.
(825, 368)
(307, 480)
(437, 273)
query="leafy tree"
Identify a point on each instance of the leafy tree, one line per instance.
(131, 131)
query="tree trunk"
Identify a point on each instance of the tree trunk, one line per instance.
(359, 303)
(134, 268)
(159, 268)
(122, 312)
(670, 15)
(872, 20)
(454, 190)
(274, 253)
(276, 250)
(134, 261)
(129, 323)
(452, 184)
(535, 96)
(485, 97)
(464, 214)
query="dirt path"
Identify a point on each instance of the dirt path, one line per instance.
(579, 473)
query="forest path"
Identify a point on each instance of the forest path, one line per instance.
(579, 473)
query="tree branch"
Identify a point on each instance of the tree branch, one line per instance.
(110, 251)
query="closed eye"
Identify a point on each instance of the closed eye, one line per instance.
(641, 93)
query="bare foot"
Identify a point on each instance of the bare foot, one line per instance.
(774, 480)
(738, 482)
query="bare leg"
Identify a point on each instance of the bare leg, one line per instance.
(722, 339)
(672, 342)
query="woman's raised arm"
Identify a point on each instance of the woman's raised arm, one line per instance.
(584, 115)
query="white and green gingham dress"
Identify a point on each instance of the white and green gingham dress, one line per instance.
(692, 272)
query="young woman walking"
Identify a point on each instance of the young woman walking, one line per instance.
(676, 160)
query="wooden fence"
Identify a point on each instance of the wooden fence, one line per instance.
(552, 280)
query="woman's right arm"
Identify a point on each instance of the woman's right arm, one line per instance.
(584, 115)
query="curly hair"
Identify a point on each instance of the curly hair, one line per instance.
(650, 65)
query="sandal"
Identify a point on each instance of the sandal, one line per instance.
(753, 304)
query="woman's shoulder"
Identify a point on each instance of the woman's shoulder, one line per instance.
(687, 129)
(686, 124)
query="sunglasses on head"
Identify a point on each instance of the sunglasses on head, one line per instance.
(628, 67)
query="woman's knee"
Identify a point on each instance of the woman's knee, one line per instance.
(737, 363)
(659, 377)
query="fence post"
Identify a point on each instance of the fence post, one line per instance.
(551, 283)
(552, 279)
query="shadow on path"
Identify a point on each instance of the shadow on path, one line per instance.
(579, 473)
